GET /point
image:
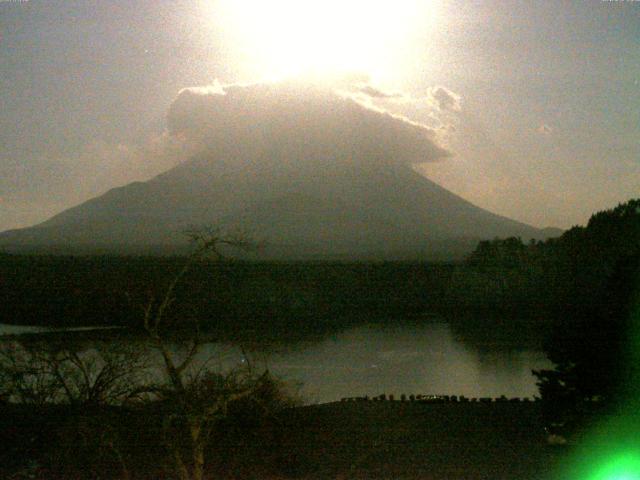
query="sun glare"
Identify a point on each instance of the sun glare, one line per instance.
(324, 37)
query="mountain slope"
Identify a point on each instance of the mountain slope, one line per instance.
(342, 212)
(310, 172)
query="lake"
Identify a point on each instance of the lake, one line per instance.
(370, 360)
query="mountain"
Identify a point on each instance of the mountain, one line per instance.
(320, 177)
(388, 211)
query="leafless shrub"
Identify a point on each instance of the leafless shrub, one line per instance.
(45, 371)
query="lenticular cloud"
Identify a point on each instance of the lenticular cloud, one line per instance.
(298, 122)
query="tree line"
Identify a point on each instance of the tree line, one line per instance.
(569, 275)
(232, 297)
(586, 284)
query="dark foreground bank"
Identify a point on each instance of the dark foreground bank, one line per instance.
(399, 440)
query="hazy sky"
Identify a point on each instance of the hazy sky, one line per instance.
(540, 105)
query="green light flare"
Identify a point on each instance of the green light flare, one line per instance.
(624, 466)
(611, 450)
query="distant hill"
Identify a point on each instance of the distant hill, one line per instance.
(323, 181)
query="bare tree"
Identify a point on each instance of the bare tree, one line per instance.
(43, 371)
(191, 396)
(196, 398)
(25, 377)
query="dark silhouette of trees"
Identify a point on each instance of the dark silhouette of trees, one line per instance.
(55, 370)
(162, 382)
(194, 397)
(560, 277)
(499, 254)
(585, 282)
(592, 356)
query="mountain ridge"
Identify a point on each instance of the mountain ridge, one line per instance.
(393, 209)
(310, 172)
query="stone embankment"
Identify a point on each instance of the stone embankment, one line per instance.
(436, 399)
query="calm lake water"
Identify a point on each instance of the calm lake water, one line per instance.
(370, 360)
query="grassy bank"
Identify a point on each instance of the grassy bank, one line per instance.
(394, 440)
(409, 440)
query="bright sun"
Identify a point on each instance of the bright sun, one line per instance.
(324, 37)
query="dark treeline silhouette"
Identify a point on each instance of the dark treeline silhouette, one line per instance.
(593, 354)
(503, 283)
(275, 299)
(562, 277)
(581, 287)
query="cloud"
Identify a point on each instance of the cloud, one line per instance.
(445, 99)
(215, 88)
(544, 129)
(377, 93)
(274, 126)
(437, 110)
(300, 122)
